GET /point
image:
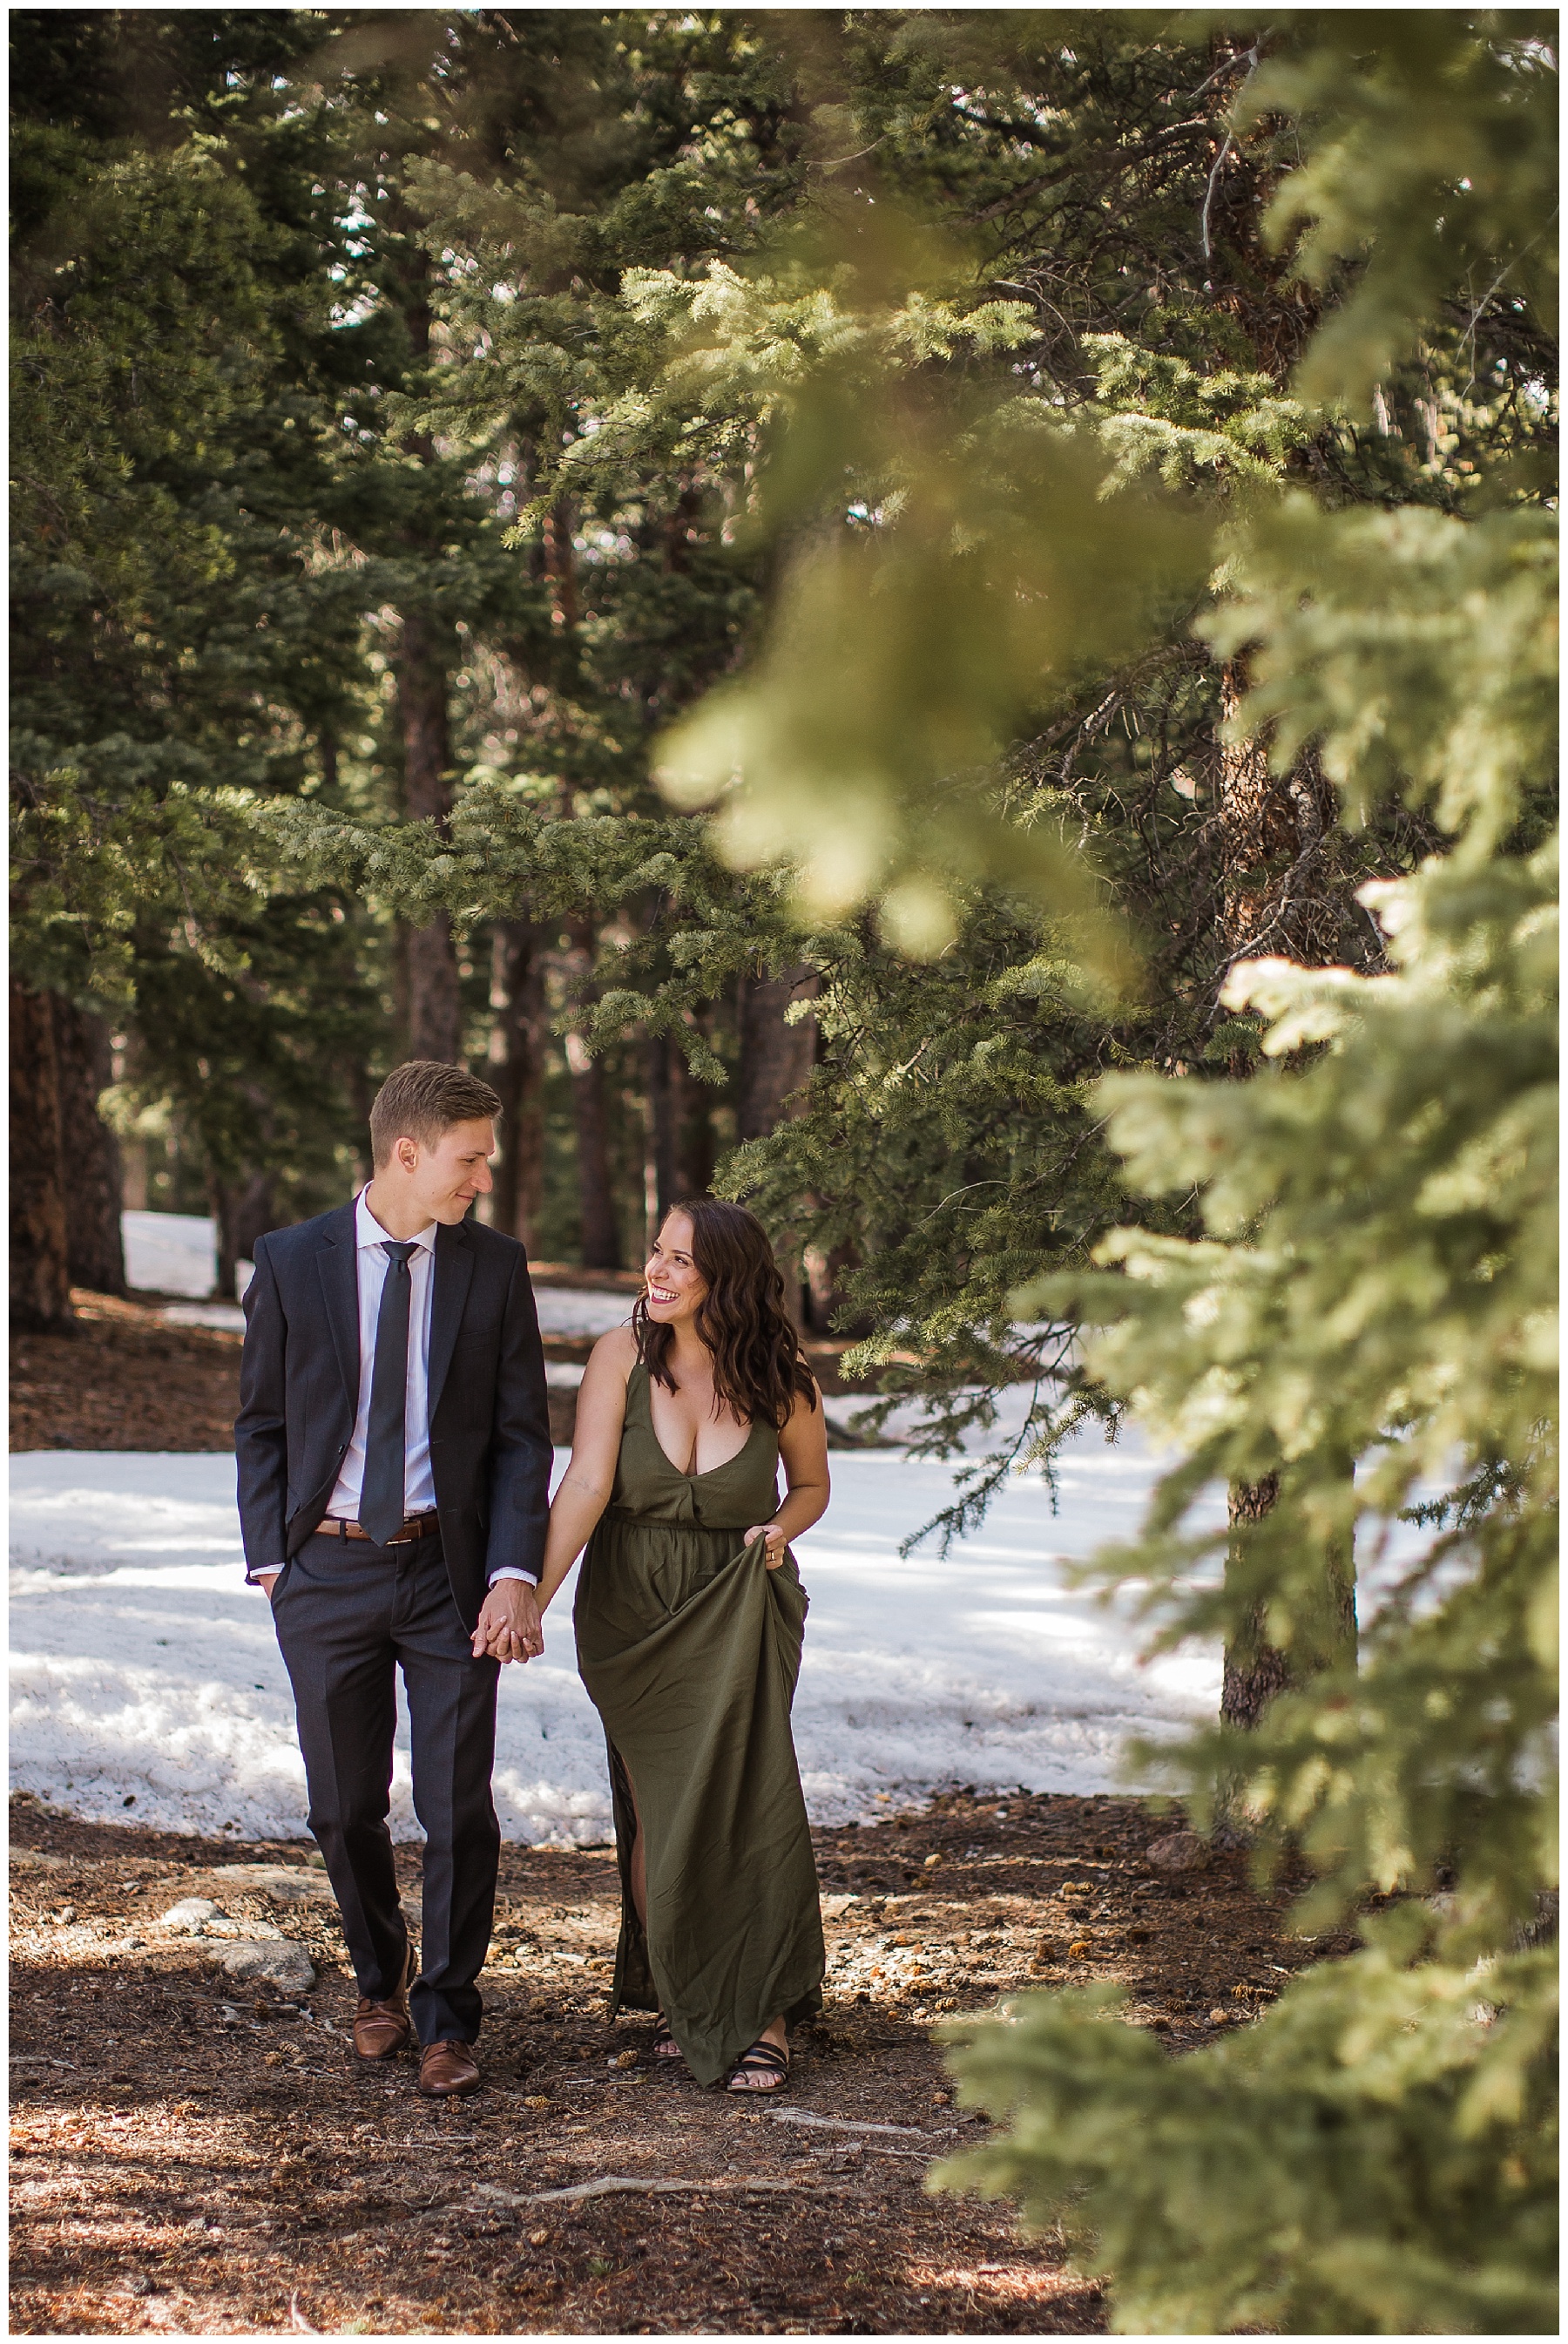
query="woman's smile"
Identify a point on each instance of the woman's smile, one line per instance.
(671, 1281)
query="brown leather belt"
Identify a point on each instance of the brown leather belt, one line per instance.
(416, 1526)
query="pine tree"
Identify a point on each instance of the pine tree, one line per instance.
(1363, 1328)
(179, 643)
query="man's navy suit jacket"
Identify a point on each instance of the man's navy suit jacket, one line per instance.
(489, 1412)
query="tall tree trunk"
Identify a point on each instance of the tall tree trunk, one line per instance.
(399, 974)
(40, 1253)
(89, 1153)
(244, 1211)
(681, 1150)
(362, 1094)
(665, 1080)
(1256, 1670)
(434, 1001)
(134, 1162)
(1275, 834)
(697, 1151)
(776, 1057)
(596, 1190)
(591, 1114)
(425, 657)
(519, 1025)
(560, 564)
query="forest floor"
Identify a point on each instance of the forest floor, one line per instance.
(191, 2157)
(121, 1378)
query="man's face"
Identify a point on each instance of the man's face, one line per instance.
(445, 1178)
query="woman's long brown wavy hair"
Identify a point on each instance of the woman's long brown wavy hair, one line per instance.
(758, 1369)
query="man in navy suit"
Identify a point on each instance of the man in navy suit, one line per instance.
(393, 1451)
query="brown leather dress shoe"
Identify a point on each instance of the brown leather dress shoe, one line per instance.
(383, 2029)
(447, 2069)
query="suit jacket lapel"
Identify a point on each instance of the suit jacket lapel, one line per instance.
(454, 1266)
(336, 1261)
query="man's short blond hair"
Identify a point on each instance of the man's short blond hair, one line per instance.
(423, 1098)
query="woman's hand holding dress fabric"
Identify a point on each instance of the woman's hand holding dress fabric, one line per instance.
(803, 1453)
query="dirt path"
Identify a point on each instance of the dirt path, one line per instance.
(190, 2156)
(121, 1378)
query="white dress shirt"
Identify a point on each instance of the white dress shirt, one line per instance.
(370, 1240)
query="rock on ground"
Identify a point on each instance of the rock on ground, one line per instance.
(270, 1961)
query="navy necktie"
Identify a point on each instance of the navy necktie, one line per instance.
(381, 1506)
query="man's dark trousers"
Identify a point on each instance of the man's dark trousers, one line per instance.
(350, 1613)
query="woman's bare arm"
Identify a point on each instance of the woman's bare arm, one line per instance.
(585, 1487)
(803, 1453)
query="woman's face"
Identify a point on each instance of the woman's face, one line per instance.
(674, 1284)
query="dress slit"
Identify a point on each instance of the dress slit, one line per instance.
(633, 1988)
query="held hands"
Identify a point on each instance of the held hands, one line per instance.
(776, 1541)
(509, 1627)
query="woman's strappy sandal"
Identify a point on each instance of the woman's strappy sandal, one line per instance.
(763, 2068)
(664, 2045)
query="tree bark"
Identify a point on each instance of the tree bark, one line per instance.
(697, 1152)
(434, 1001)
(89, 1153)
(517, 1069)
(599, 1223)
(596, 1190)
(425, 657)
(776, 1061)
(665, 1078)
(40, 1253)
(244, 1211)
(560, 564)
(680, 1150)
(775, 1058)
(1255, 1670)
(134, 1168)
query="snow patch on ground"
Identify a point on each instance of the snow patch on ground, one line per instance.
(147, 1683)
(580, 1310)
(170, 1253)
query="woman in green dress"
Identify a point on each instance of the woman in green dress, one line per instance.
(689, 1615)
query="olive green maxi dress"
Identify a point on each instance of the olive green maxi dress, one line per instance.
(690, 1647)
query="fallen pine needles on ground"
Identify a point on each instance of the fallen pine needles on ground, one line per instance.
(193, 2155)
